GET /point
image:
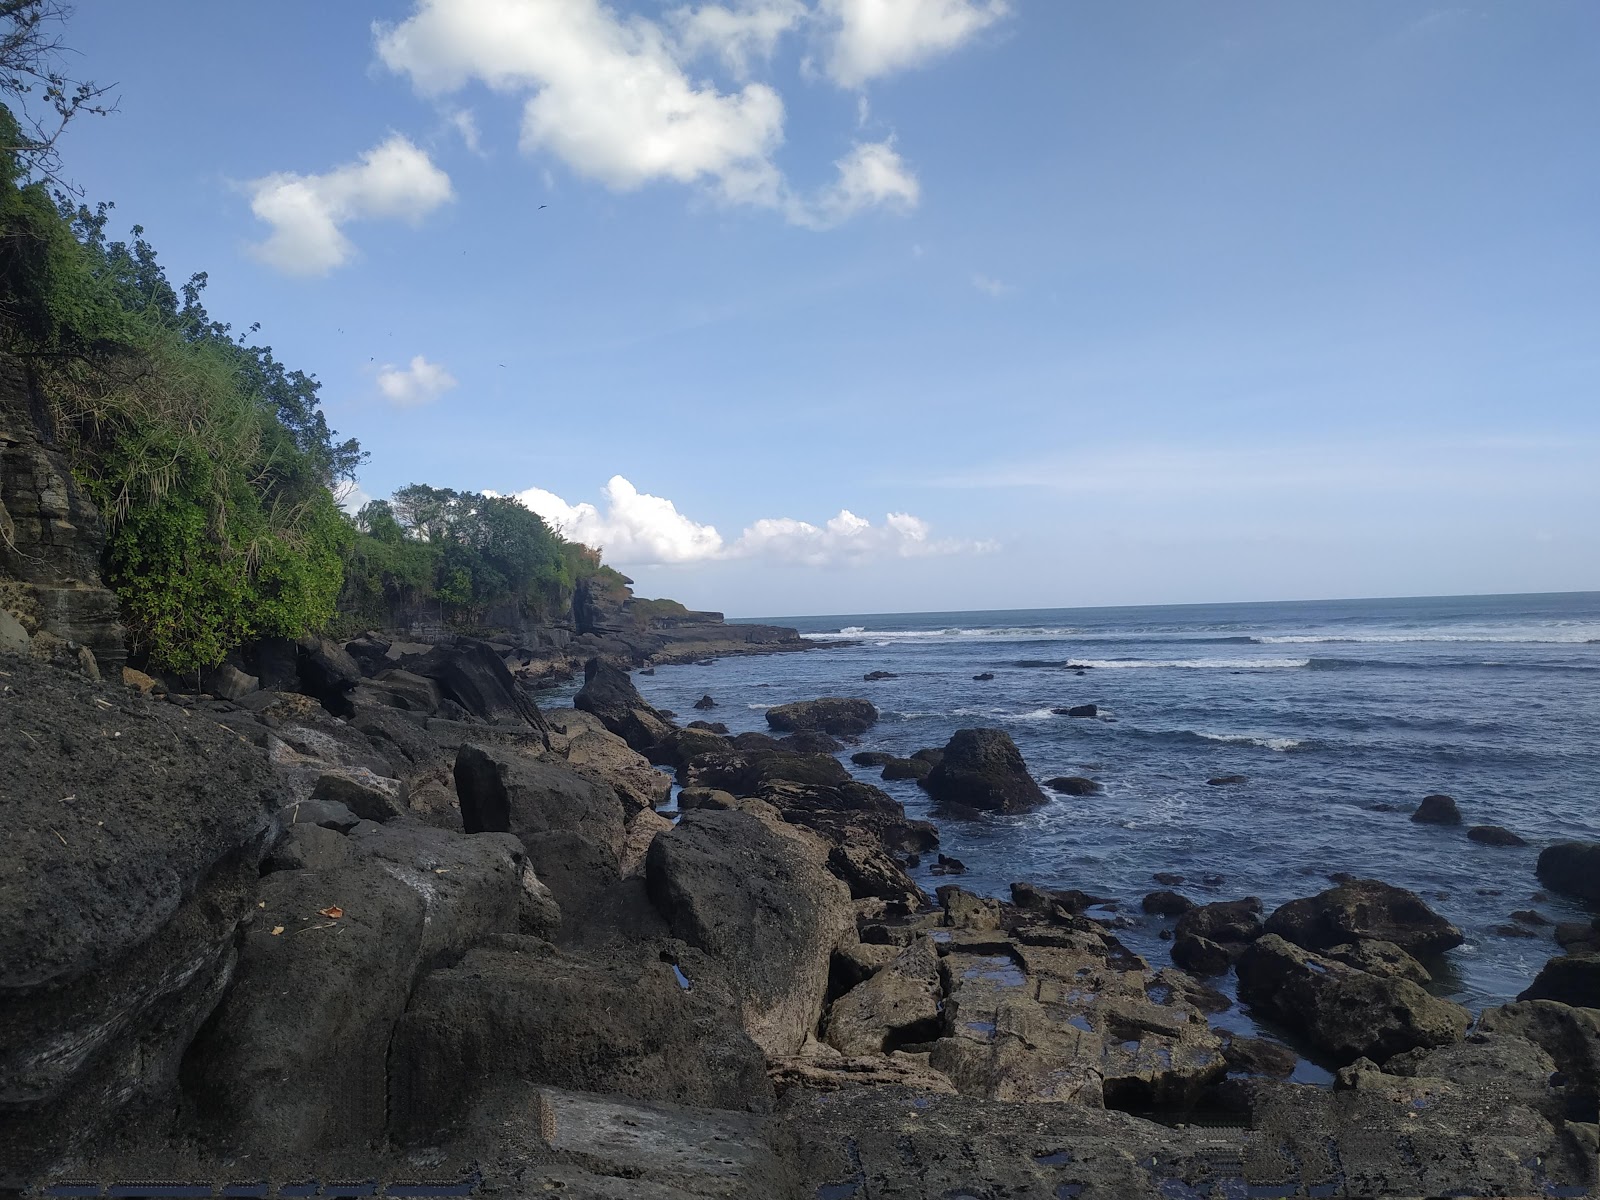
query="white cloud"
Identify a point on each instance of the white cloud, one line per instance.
(419, 382)
(737, 35)
(465, 123)
(610, 97)
(637, 529)
(990, 287)
(351, 497)
(877, 37)
(872, 174)
(392, 180)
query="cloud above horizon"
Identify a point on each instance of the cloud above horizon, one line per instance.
(638, 529)
(418, 382)
(307, 213)
(611, 96)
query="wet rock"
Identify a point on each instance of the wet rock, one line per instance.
(1437, 810)
(1347, 1012)
(1365, 910)
(837, 715)
(716, 727)
(1078, 710)
(811, 743)
(681, 748)
(946, 865)
(1257, 1056)
(1528, 916)
(754, 741)
(1578, 936)
(932, 755)
(609, 694)
(1227, 780)
(1168, 878)
(984, 677)
(705, 702)
(898, 1004)
(1074, 785)
(983, 769)
(1166, 904)
(1567, 979)
(1494, 835)
(1380, 958)
(690, 798)
(906, 768)
(874, 676)
(869, 870)
(1573, 868)
(1209, 939)
(871, 758)
(517, 1009)
(759, 901)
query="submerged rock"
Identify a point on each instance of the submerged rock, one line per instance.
(1074, 785)
(1437, 810)
(1494, 835)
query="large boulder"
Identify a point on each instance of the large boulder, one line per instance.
(1572, 867)
(1569, 979)
(517, 1009)
(1437, 810)
(1208, 939)
(295, 1059)
(573, 826)
(1364, 909)
(472, 674)
(593, 748)
(609, 694)
(898, 1004)
(1348, 1013)
(983, 769)
(133, 835)
(757, 898)
(837, 715)
(328, 673)
(1570, 1035)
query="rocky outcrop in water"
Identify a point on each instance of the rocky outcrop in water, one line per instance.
(983, 769)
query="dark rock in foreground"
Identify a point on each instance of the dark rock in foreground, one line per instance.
(1347, 1012)
(1437, 810)
(837, 715)
(1572, 867)
(983, 769)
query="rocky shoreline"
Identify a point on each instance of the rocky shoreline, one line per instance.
(388, 919)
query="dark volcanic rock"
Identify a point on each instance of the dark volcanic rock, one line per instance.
(1347, 1012)
(1227, 780)
(705, 702)
(1073, 785)
(874, 676)
(328, 673)
(1365, 909)
(906, 768)
(1380, 958)
(754, 741)
(832, 714)
(1437, 810)
(898, 1004)
(870, 871)
(985, 677)
(983, 769)
(1568, 979)
(1078, 710)
(133, 834)
(716, 727)
(572, 826)
(1208, 939)
(759, 900)
(1257, 1056)
(518, 1009)
(1494, 835)
(1166, 904)
(1572, 867)
(811, 743)
(609, 694)
(872, 758)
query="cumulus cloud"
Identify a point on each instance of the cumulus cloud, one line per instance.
(307, 213)
(419, 382)
(737, 35)
(638, 529)
(610, 96)
(872, 174)
(877, 37)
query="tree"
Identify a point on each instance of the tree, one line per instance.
(43, 97)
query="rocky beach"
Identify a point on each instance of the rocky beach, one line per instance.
(366, 911)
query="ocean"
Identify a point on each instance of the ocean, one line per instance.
(1341, 714)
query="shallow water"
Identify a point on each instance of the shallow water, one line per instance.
(1329, 708)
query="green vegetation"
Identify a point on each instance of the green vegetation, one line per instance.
(211, 461)
(461, 554)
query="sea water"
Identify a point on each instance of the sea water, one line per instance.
(1342, 715)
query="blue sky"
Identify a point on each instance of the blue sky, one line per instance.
(1062, 303)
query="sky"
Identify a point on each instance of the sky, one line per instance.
(831, 306)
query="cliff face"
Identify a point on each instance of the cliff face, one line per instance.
(51, 534)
